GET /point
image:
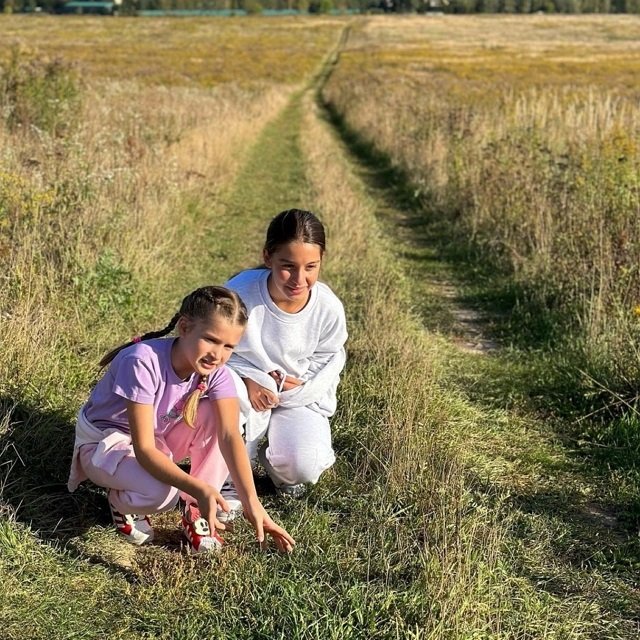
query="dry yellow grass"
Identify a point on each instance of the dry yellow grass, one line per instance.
(109, 210)
(109, 218)
(527, 129)
(185, 52)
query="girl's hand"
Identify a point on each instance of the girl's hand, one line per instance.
(263, 524)
(289, 381)
(208, 501)
(261, 399)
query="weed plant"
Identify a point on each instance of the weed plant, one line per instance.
(41, 94)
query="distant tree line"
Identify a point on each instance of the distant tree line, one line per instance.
(512, 6)
(546, 6)
(364, 6)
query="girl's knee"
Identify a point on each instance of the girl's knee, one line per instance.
(151, 500)
(303, 466)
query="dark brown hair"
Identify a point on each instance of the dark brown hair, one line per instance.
(294, 225)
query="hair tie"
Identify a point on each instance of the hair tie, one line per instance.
(136, 339)
(201, 386)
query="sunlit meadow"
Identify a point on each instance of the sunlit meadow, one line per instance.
(142, 157)
(523, 132)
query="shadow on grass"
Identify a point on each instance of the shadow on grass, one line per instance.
(36, 445)
(35, 456)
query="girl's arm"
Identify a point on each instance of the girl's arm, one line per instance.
(325, 365)
(232, 448)
(235, 455)
(319, 390)
(141, 425)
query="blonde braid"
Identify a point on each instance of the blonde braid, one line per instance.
(190, 410)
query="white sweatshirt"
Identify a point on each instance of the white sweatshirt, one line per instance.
(308, 345)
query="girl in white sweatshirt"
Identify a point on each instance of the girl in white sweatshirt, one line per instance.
(289, 360)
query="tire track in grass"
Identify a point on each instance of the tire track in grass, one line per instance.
(272, 180)
(563, 546)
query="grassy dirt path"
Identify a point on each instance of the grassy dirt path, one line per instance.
(564, 527)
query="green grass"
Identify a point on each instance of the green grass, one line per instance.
(569, 506)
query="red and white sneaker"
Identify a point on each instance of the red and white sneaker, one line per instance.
(197, 531)
(135, 528)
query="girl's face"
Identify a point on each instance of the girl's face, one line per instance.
(295, 268)
(204, 345)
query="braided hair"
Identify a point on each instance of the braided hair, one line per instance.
(201, 304)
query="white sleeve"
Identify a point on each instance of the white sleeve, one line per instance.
(322, 378)
(246, 369)
(319, 392)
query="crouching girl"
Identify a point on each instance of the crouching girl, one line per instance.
(163, 400)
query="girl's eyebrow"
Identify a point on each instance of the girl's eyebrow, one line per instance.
(213, 336)
(306, 263)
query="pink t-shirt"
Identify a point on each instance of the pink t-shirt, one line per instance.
(143, 373)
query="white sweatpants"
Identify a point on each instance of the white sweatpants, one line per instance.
(299, 440)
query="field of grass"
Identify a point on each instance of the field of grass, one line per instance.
(523, 134)
(454, 510)
(176, 52)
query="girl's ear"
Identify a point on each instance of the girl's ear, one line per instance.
(183, 325)
(266, 259)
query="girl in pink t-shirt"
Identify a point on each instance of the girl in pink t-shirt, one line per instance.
(162, 400)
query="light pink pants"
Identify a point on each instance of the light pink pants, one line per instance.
(132, 489)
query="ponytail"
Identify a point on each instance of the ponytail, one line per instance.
(190, 409)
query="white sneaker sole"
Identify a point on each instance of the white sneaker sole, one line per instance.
(138, 537)
(234, 512)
